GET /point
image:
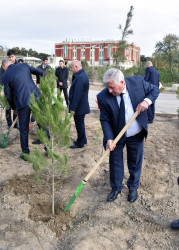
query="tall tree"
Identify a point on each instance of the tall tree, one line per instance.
(168, 49)
(119, 55)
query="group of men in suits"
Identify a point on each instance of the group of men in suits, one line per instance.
(18, 87)
(117, 102)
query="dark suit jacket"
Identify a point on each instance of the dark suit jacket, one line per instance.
(78, 94)
(109, 110)
(62, 75)
(18, 84)
(45, 72)
(152, 75)
(2, 72)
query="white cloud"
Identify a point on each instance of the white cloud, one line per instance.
(39, 24)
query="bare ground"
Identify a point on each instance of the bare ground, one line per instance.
(92, 223)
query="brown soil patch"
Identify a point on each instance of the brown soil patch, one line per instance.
(92, 222)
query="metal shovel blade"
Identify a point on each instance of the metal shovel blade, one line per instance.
(4, 140)
(73, 198)
(4, 137)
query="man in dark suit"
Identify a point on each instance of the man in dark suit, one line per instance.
(18, 87)
(152, 76)
(117, 103)
(62, 75)
(78, 98)
(45, 68)
(12, 55)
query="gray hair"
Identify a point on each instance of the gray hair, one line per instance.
(7, 61)
(113, 74)
(149, 63)
(76, 63)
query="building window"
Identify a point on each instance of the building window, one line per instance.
(109, 50)
(101, 54)
(134, 57)
(74, 52)
(82, 52)
(92, 54)
(65, 51)
(100, 61)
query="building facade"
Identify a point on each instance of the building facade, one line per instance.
(96, 53)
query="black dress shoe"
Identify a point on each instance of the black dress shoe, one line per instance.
(84, 142)
(37, 142)
(175, 224)
(132, 195)
(113, 195)
(22, 157)
(76, 146)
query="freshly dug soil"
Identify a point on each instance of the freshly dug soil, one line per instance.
(92, 222)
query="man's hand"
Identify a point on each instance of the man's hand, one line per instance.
(60, 83)
(15, 112)
(142, 106)
(37, 85)
(109, 145)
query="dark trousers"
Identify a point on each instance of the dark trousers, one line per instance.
(151, 112)
(24, 119)
(65, 92)
(80, 128)
(134, 145)
(8, 117)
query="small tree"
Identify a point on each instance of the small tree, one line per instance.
(54, 127)
(3, 104)
(178, 98)
(119, 55)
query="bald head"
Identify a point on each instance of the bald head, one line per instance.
(75, 66)
(149, 64)
(6, 62)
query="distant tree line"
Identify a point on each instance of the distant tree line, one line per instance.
(23, 52)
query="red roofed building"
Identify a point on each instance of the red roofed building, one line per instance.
(96, 53)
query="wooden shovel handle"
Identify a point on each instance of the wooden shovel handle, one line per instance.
(108, 151)
(14, 122)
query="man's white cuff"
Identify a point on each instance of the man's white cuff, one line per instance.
(148, 101)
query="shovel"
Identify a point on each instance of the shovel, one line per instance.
(4, 137)
(79, 188)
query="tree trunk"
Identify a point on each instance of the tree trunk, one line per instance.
(53, 190)
(53, 196)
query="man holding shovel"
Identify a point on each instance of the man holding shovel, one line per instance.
(18, 87)
(117, 103)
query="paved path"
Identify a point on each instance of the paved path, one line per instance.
(166, 103)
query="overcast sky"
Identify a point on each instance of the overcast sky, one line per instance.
(39, 24)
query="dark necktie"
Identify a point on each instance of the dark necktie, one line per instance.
(122, 121)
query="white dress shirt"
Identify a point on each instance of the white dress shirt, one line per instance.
(134, 128)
